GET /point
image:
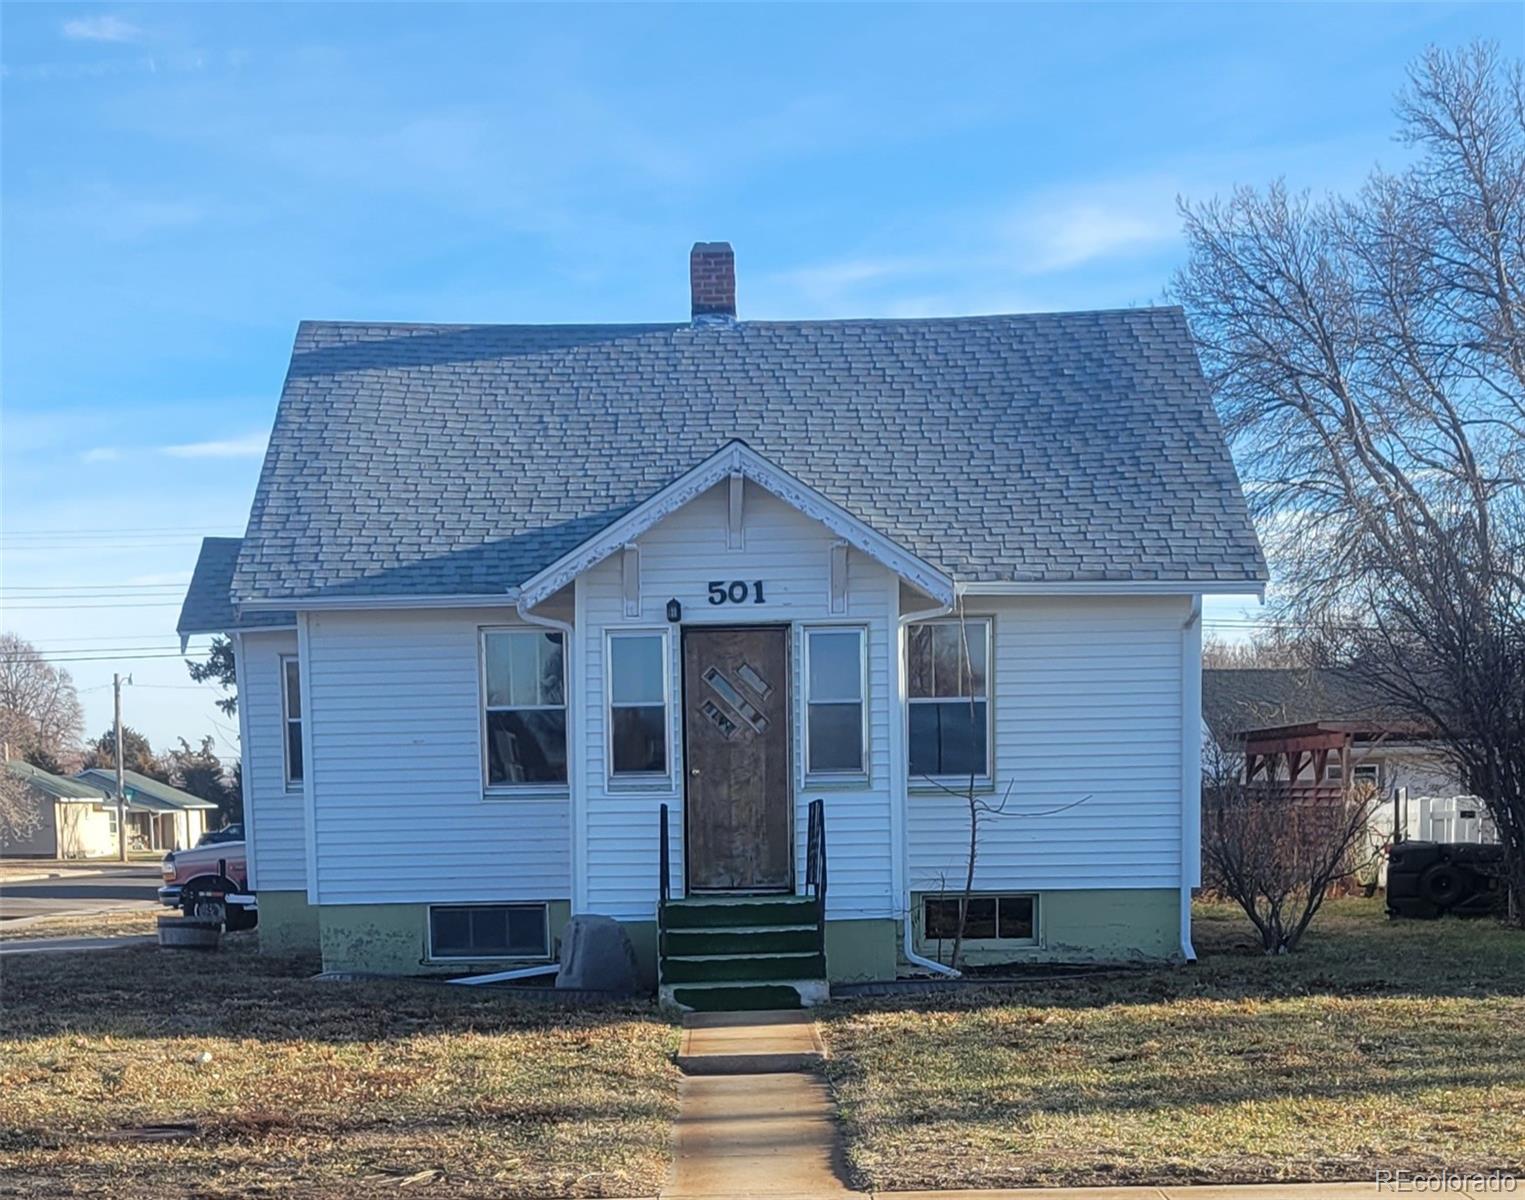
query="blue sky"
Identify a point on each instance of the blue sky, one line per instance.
(183, 184)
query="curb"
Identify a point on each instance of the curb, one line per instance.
(749, 1064)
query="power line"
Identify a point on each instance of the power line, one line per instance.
(55, 607)
(114, 657)
(122, 529)
(92, 589)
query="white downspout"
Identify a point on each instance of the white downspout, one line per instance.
(574, 727)
(1191, 766)
(908, 940)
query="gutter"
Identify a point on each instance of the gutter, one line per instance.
(908, 939)
(507, 976)
(1191, 764)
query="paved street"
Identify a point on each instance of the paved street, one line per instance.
(81, 890)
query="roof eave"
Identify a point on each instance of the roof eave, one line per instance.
(1111, 587)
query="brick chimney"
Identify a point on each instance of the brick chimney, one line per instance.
(712, 280)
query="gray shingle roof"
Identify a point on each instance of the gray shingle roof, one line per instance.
(208, 605)
(1237, 699)
(433, 459)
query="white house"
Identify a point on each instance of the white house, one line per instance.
(69, 818)
(508, 594)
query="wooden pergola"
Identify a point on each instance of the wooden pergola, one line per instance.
(1280, 753)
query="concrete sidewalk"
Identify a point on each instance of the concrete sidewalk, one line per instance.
(1228, 1191)
(749, 1043)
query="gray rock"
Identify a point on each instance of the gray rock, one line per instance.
(596, 953)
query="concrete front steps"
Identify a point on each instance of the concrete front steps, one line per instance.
(741, 953)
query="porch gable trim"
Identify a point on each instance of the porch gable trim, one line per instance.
(735, 459)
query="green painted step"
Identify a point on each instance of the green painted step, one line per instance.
(749, 968)
(776, 940)
(737, 999)
(723, 914)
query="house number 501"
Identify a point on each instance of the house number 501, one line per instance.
(738, 591)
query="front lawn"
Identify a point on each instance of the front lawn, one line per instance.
(1391, 1045)
(146, 1073)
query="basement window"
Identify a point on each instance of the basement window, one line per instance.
(489, 931)
(990, 919)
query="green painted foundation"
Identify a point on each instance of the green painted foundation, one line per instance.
(1085, 925)
(393, 939)
(861, 951)
(287, 923)
(1101, 925)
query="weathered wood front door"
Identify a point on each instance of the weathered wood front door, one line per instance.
(736, 739)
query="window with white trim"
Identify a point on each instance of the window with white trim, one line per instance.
(948, 722)
(525, 707)
(291, 713)
(834, 702)
(1010, 918)
(489, 931)
(638, 705)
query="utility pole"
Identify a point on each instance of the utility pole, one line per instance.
(121, 793)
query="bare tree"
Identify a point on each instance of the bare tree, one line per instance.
(40, 716)
(1368, 360)
(20, 814)
(1271, 647)
(1277, 851)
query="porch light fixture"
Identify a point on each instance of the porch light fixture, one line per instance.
(674, 611)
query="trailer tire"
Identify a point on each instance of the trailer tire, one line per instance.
(1443, 885)
(202, 898)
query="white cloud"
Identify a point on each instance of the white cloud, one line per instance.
(249, 446)
(100, 454)
(101, 29)
(1078, 234)
(1064, 228)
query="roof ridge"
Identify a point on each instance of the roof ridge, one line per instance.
(743, 323)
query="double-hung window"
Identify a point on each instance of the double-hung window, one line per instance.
(834, 710)
(525, 691)
(947, 667)
(638, 705)
(291, 710)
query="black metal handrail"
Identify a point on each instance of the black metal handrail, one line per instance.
(815, 854)
(664, 868)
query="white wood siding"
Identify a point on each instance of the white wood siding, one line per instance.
(791, 554)
(278, 851)
(1087, 696)
(395, 716)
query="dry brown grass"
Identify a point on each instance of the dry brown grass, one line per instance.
(149, 1073)
(111, 923)
(1378, 1045)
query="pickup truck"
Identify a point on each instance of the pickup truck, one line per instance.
(211, 880)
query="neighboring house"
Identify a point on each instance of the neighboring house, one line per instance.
(73, 819)
(159, 817)
(509, 593)
(1323, 725)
